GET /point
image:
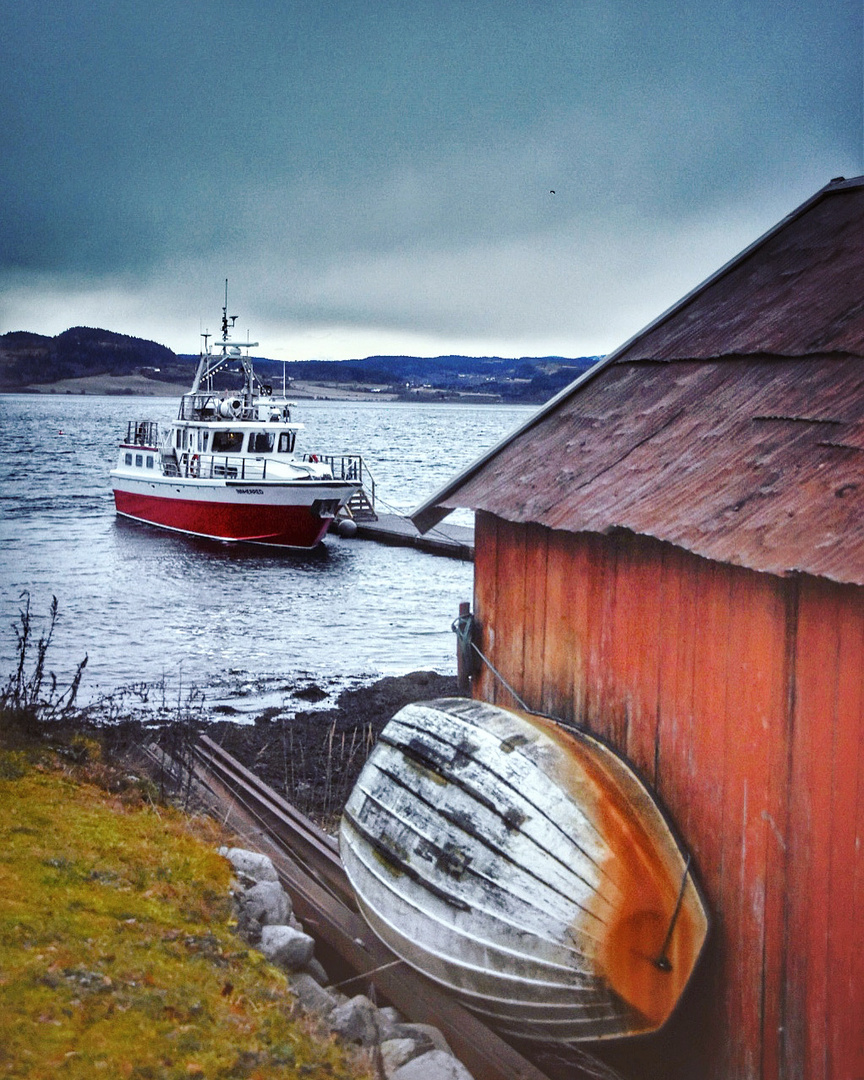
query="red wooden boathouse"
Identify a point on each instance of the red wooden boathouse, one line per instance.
(671, 553)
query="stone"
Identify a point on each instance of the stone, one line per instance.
(425, 1034)
(398, 1052)
(356, 1021)
(436, 1065)
(317, 972)
(267, 903)
(390, 1015)
(312, 997)
(286, 947)
(250, 865)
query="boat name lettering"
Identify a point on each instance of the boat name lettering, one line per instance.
(249, 491)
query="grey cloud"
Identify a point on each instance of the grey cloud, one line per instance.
(390, 165)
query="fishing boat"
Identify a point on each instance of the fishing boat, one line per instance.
(525, 868)
(227, 468)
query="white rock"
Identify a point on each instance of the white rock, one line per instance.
(312, 996)
(250, 864)
(397, 1052)
(436, 1065)
(390, 1015)
(317, 972)
(421, 1033)
(287, 947)
(267, 903)
(356, 1021)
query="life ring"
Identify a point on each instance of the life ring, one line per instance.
(194, 465)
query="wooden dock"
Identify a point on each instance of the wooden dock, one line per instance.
(455, 541)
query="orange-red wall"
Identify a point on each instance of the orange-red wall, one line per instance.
(740, 697)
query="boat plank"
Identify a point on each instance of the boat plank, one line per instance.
(461, 838)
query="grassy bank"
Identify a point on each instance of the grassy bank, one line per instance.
(117, 955)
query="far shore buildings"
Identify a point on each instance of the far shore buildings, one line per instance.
(671, 554)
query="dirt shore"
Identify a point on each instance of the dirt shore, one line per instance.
(312, 755)
(315, 756)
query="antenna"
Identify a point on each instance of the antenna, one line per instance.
(225, 314)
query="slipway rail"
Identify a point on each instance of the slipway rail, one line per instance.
(307, 861)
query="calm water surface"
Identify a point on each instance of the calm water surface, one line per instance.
(147, 605)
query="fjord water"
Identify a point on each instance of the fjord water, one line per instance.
(145, 604)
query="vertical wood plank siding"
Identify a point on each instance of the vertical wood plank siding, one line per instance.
(740, 697)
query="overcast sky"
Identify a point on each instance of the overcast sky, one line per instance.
(377, 176)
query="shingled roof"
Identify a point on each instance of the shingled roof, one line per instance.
(731, 426)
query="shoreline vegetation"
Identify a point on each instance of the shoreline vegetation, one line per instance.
(312, 755)
(119, 951)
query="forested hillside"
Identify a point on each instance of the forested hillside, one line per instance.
(30, 359)
(34, 360)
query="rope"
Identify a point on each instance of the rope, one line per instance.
(501, 679)
(401, 513)
(365, 974)
(463, 628)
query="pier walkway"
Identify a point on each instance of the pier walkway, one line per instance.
(455, 541)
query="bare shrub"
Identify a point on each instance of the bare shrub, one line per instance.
(31, 701)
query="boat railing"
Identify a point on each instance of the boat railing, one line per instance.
(348, 467)
(202, 406)
(234, 467)
(223, 467)
(208, 405)
(142, 433)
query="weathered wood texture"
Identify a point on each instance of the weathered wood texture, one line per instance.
(740, 697)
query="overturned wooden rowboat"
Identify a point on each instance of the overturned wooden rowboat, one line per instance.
(525, 868)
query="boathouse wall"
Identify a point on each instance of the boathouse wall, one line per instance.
(739, 696)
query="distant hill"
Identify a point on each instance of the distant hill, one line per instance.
(31, 359)
(526, 379)
(28, 359)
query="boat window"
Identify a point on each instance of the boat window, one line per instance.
(286, 442)
(149, 461)
(128, 459)
(261, 442)
(139, 460)
(178, 438)
(204, 440)
(227, 442)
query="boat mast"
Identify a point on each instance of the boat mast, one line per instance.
(209, 363)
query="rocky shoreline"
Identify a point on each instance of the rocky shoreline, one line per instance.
(266, 921)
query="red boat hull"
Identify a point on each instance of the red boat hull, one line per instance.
(282, 526)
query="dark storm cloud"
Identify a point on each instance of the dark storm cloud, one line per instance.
(390, 164)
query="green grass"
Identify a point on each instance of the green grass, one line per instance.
(117, 954)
